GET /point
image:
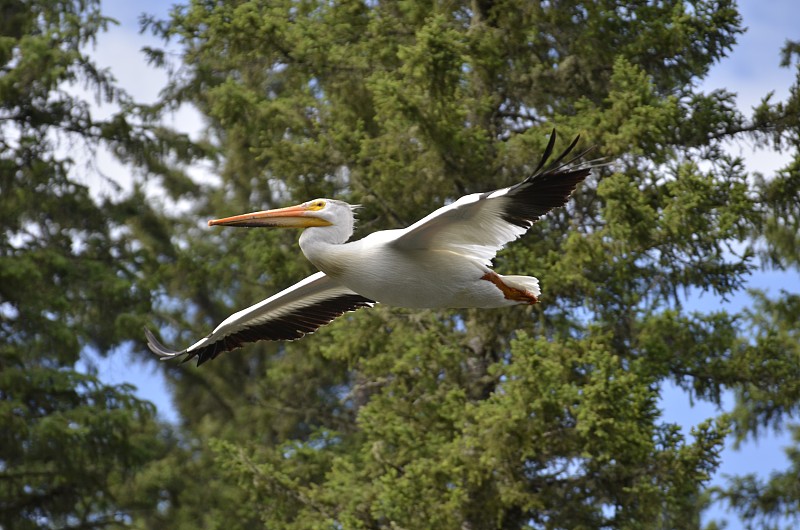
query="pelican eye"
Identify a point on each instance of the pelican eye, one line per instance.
(316, 205)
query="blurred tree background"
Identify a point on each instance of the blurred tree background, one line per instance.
(542, 417)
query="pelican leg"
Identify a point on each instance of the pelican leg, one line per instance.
(510, 293)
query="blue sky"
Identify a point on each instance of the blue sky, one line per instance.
(751, 71)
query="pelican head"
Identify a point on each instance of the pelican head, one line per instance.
(319, 212)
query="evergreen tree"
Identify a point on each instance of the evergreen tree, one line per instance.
(545, 417)
(69, 444)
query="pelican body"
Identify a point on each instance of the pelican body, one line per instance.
(407, 272)
(441, 261)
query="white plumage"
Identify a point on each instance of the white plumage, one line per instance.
(441, 261)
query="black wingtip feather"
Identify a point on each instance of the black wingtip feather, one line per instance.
(550, 186)
(288, 327)
(559, 162)
(567, 151)
(547, 151)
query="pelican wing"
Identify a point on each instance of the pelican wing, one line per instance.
(288, 315)
(480, 224)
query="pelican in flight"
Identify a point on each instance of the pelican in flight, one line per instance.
(441, 261)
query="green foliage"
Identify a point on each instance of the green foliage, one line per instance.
(769, 503)
(69, 444)
(542, 417)
(547, 417)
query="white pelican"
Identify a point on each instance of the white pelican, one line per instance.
(441, 261)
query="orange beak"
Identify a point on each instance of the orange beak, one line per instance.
(290, 217)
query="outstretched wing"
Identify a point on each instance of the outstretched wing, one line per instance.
(480, 224)
(302, 308)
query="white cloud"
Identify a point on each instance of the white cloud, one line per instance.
(120, 51)
(752, 71)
